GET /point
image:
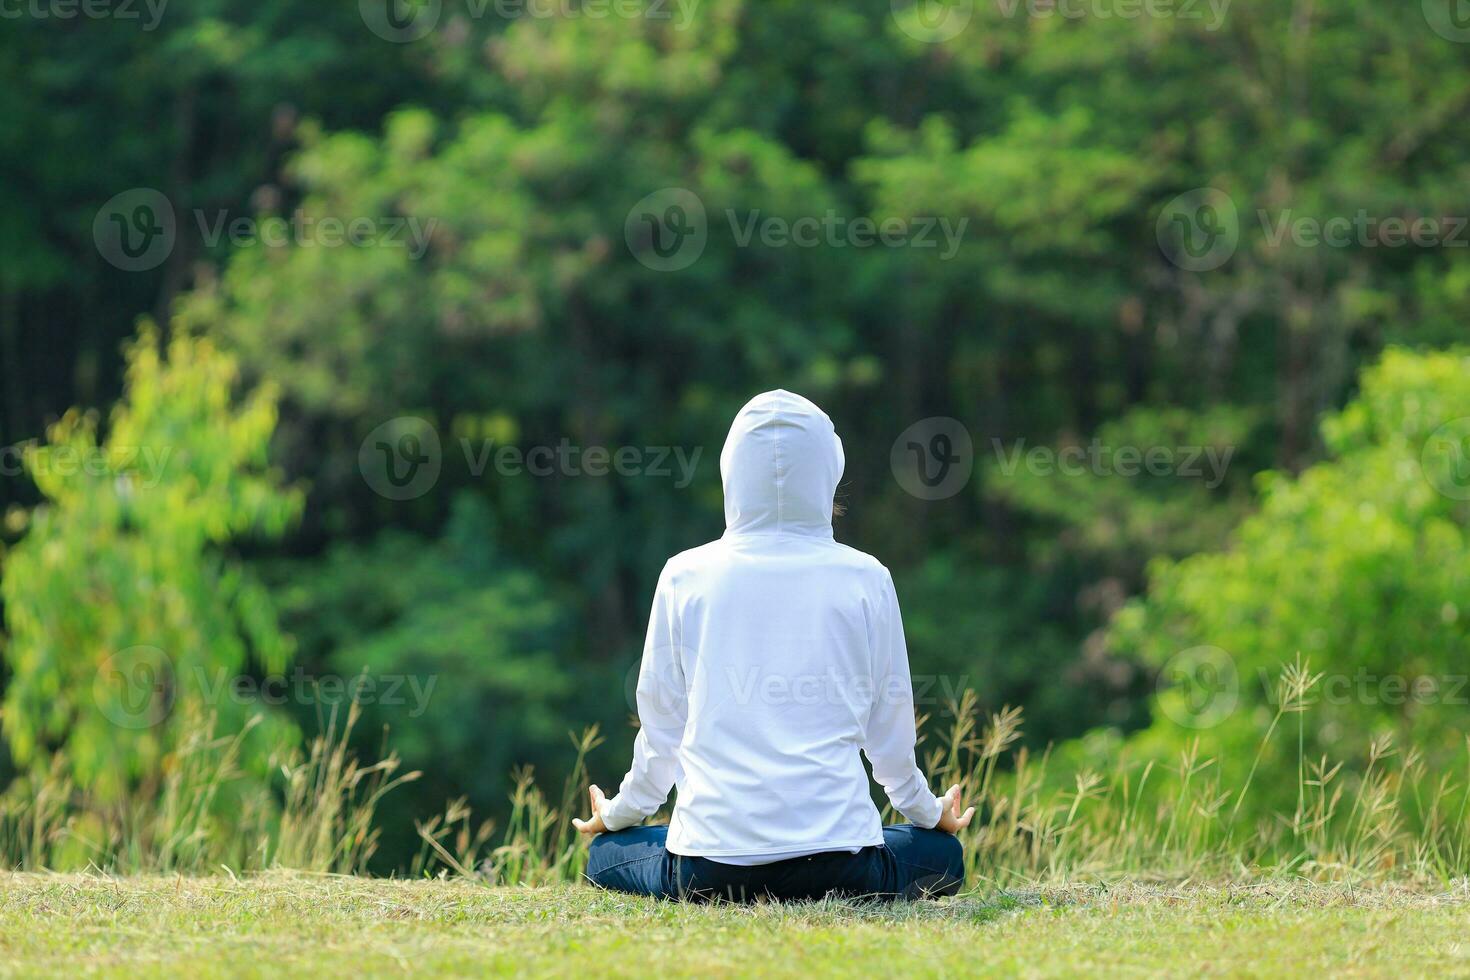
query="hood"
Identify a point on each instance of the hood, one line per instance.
(780, 466)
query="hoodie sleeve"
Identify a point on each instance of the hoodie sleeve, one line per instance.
(890, 735)
(662, 709)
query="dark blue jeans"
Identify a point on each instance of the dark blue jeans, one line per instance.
(910, 863)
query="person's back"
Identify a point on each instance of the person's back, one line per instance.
(774, 656)
(778, 641)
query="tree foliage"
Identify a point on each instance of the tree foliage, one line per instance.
(516, 309)
(123, 610)
(1357, 566)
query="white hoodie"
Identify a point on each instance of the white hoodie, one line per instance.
(773, 655)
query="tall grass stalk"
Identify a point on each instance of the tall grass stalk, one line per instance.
(202, 814)
(1035, 819)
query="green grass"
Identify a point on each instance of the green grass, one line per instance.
(346, 926)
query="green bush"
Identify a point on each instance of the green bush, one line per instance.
(123, 609)
(1358, 565)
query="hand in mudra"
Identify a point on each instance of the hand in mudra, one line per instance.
(950, 819)
(593, 826)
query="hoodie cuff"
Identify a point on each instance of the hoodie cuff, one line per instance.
(924, 814)
(615, 818)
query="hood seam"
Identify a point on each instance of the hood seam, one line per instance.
(780, 473)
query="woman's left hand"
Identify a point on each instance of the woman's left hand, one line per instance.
(594, 826)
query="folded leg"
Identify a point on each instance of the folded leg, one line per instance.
(633, 861)
(922, 863)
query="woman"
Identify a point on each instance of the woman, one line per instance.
(774, 655)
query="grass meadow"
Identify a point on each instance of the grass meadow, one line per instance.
(1145, 868)
(348, 926)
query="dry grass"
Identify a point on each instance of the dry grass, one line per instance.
(1133, 819)
(200, 814)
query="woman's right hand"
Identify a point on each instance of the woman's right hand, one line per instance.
(950, 819)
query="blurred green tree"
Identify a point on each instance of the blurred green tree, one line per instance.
(1359, 566)
(517, 303)
(1058, 320)
(124, 612)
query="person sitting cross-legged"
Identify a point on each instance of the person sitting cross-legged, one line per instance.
(774, 657)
